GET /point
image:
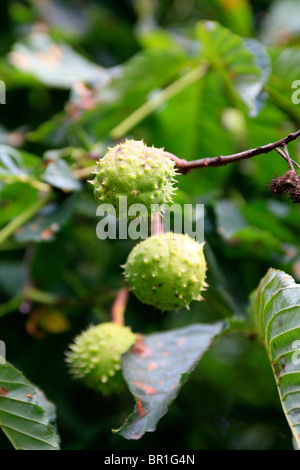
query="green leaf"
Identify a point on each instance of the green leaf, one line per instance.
(272, 215)
(59, 175)
(12, 204)
(55, 64)
(11, 276)
(275, 307)
(285, 73)
(46, 223)
(16, 162)
(156, 369)
(23, 417)
(140, 79)
(146, 71)
(10, 161)
(234, 229)
(237, 15)
(242, 65)
(200, 107)
(229, 218)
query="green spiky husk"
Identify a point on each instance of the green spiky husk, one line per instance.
(167, 271)
(145, 175)
(95, 356)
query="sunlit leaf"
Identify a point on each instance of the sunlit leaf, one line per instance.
(59, 175)
(54, 64)
(283, 85)
(275, 307)
(237, 15)
(243, 66)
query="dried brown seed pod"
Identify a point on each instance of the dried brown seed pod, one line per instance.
(285, 183)
(295, 193)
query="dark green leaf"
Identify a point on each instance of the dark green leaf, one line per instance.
(156, 370)
(275, 307)
(233, 228)
(11, 276)
(22, 412)
(47, 223)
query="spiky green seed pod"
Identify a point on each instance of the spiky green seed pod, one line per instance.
(167, 271)
(145, 175)
(95, 356)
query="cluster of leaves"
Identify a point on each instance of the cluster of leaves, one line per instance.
(179, 75)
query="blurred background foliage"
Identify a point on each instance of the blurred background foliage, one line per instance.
(83, 75)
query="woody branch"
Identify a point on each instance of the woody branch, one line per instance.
(185, 166)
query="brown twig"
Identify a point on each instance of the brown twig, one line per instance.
(119, 306)
(288, 158)
(185, 166)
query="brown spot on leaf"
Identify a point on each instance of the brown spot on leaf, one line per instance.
(140, 408)
(147, 388)
(3, 391)
(181, 341)
(283, 363)
(151, 366)
(46, 234)
(140, 348)
(29, 395)
(277, 369)
(166, 353)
